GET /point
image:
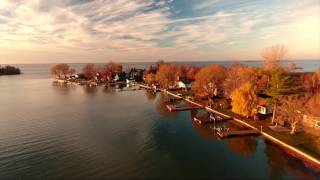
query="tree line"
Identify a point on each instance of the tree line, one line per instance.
(291, 94)
(9, 70)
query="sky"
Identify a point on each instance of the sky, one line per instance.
(47, 31)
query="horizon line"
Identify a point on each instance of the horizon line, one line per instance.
(169, 61)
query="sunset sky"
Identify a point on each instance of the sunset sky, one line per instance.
(46, 31)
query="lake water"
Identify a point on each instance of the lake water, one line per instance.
(51, 131)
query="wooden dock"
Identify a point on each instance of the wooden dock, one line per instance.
(173, 99)
(208, 120)
(171, 108)
(237, 133)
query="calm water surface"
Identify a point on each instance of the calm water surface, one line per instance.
(49, 131)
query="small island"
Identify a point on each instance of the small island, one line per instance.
(9, 70)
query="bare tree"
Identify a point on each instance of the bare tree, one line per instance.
(292, 110)
(273, 55)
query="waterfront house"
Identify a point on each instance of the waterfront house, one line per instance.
(263, 107)
(116, 78)
(184, 84)
(135, 74)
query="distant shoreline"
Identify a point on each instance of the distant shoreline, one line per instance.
(151, 62)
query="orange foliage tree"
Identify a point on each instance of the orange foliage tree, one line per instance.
(166, 75)
(237, 75)
(150, 79)
(209, 81)
(244, 100)
(191, 72)
(291, 110)
(61, 70)
(317, 79)
(89, 71)
(313, 105)
(107, 71)
(150, 70)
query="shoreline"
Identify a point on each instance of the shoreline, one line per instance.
(308, 159)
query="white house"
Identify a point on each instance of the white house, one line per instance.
(116, 77)
(184, 84)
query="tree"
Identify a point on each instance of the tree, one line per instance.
(89, 71)
(273, 55)
(308, 81)
(150, 70)
(191, 72)
(291, 110)
(159, 63)
(9, 70)
(109, 70)
(72, 71)
(313, 105)
(166, 76)
(209, 81)
(318, 73)
(317, 79)
(237, 75)
(150, 79)
(180, 72)
(244, 100)
(60, 70)
(280, 86)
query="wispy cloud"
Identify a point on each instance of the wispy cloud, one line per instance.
(126, 29)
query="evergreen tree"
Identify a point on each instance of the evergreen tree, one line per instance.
(280, 86)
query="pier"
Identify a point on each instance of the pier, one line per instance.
(171, 108)
(237, 133)
(209, 120)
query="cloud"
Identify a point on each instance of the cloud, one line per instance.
(125, 29)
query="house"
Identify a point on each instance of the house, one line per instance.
(185, 84)
(263, 107)
(116, 77)
(135, 74)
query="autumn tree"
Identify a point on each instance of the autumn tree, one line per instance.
(180, 72)
(308, 81)
(150, 79)
(166, 76)
(316, 79)
(291, 110)
(318, 73)
(89, 71)
(149, 70)
(244, 100)
(109, 70)
(313, 105)
(191, 72)
(273, 55)
(209, 81)
(280, 86)
(237, 75)
(159, 63)
(72, 71)
(60, 70)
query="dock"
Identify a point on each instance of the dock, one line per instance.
(208, 120)
(238, 133)
(173, 99)
(178, 108)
